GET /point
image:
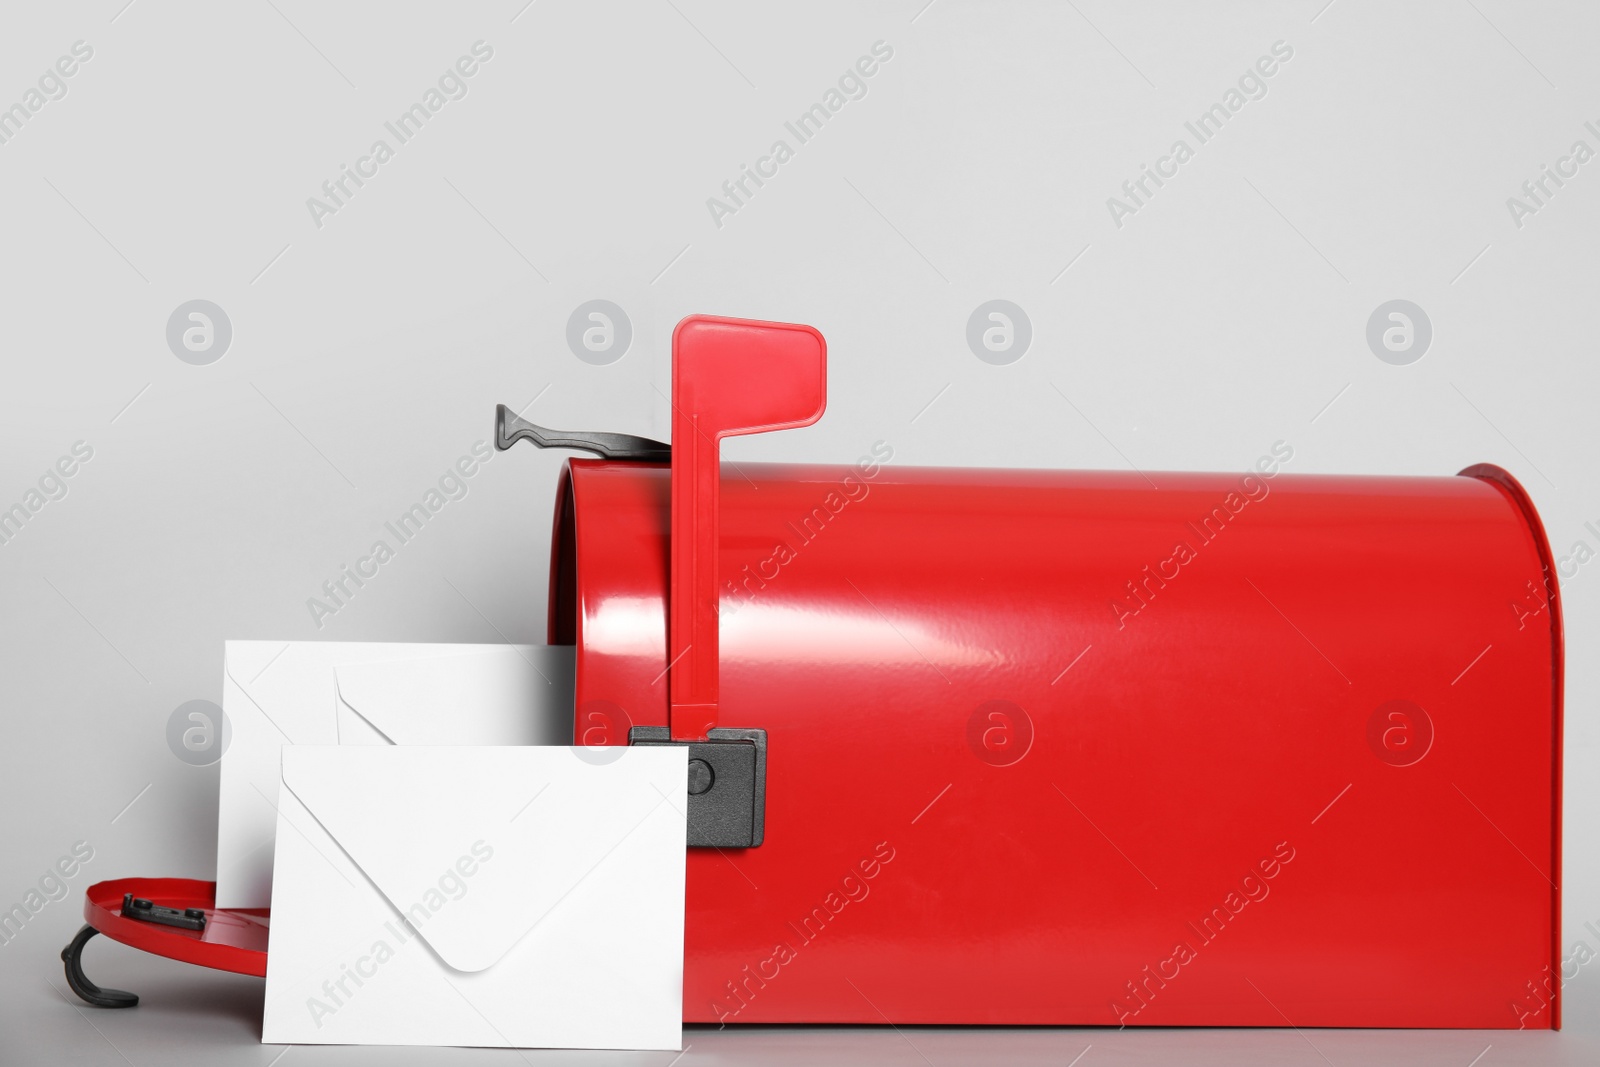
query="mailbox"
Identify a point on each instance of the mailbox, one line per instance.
(1071, 747)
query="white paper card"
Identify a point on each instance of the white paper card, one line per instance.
(277, 693)
(522, 897)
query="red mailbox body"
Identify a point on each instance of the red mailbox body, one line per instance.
(1097, 748)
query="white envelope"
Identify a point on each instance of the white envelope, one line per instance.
(522, 897)
(277, 693)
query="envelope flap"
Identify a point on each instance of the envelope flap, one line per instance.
(475, 846)
(510, 694)
(288, 682)
(244, 661)
(271, 677)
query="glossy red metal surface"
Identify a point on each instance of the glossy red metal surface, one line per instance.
(234, 939)
(1098, 748)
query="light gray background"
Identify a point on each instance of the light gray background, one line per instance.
(367, 355)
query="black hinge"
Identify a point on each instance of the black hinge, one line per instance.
(145, 911)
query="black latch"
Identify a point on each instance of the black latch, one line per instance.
(727, 784)
(145, 911)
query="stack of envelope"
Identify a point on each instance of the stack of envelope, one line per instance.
(442, 867)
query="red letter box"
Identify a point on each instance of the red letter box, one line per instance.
(1072, 747)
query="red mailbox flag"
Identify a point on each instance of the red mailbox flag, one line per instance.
(729, 377)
